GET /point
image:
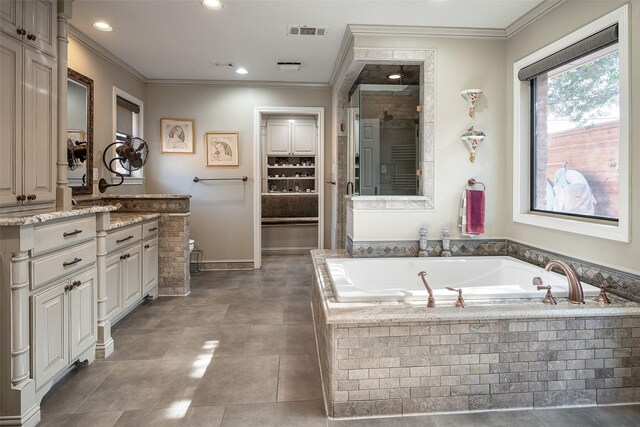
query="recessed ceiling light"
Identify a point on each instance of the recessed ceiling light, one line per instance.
(242, 70)
(395, 76)
(212, 4)
(102, 26)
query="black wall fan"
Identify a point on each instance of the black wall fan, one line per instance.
(132, 155)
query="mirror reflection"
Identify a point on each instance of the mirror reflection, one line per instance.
(79, 132)
(384, 140)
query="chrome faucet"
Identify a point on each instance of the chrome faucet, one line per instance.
(431, 302)
(576, 296)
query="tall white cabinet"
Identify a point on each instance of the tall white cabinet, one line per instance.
(28, 106)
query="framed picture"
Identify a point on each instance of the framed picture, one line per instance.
(177, 136)
(76, 135)
(222, 148)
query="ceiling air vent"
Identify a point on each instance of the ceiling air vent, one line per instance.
(289, 66)
(224, 64)
(301, 30)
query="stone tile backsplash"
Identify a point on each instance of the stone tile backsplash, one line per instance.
(628, 285)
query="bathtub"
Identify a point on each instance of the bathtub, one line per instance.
(481, 278)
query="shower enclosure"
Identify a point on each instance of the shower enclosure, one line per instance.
(383, 139)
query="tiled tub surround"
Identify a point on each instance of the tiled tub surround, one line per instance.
(628, 285)
(396, 359)
(173, 263)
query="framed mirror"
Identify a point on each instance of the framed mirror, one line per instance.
(79, 132)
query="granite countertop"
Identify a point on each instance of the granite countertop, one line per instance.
(17, 219)
(122, 219)
(146, 196)
(374, 312)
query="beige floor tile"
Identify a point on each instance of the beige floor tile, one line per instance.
(255, 313)
(146, 316)
(142, 385)
(299, 378)
(286, 414)
(280, 339)
(68, 394)
(217, 341)
(185, 317)
(237, 380)
(180, 415)
(142, 344)
(93, 419)
(298, 313)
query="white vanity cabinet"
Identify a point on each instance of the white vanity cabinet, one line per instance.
(291, 137)
(28, 83)
(131, 267)
(31, 21)
(65, 325)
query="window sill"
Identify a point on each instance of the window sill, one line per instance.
(618, 232)
(130, 180)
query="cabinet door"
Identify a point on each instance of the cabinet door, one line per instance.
(40, 126)
(40, 21)
(303, 138)
(83, 313)
(150, 264)
(132, 275)
(115, 299)
(11, 17)
(278, 138)
(10, 119)
(50, 341)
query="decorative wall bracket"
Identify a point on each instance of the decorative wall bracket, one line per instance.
(471, 96)
(472, 138)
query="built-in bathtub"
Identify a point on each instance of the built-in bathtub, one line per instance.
(390, 358)
(481, 278)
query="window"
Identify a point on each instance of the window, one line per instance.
(575, 137)
(128, 123)
(571, 132)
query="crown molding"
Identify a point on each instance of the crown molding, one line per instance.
(87, 42)
(413, 31)
(345, 47)
(243, 83)
(532, 16)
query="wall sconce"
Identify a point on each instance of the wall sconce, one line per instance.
(471, 96)
(472, 138)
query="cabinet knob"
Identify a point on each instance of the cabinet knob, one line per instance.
(75, 284)
(31, 37)
(146, 246)
(21, 31)
(21, 198)
(31, 197)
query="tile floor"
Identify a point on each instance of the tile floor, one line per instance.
(240, 351)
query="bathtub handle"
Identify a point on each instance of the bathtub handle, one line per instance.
(459, 302)
(602, 297)
(548, 298)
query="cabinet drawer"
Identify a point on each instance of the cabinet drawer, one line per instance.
(63, 263)
(59, 235)
(150, 229)
(123, 238)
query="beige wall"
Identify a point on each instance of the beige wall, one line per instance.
(105, 75)
(561, 21)
(460, 64)
(221, 212)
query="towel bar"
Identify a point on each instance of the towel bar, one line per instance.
(473, 182)
(244, 179)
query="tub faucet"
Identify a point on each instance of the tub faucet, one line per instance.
(576, 296)
(548, 298)
(431, 302)
(459, 302)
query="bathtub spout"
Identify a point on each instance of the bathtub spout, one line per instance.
(576, 295)
(431, 302)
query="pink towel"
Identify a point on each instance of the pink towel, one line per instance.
(475, 211)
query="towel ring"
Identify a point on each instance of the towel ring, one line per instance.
(473, 182)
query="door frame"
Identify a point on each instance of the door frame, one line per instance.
(258, 113)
